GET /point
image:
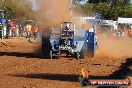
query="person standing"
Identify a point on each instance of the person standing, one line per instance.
(4, 30)
(36, 32)
(96, 41)
(28, 31)
(1, 29)
(13, 29)
(4, 22)
(8, 29)
(23, 29)
(20, 30)
(17, 30)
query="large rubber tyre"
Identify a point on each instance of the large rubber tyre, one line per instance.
(83, 52)
(78, 55)
(51, 54)
(86, 50)
(45, 43)
(46, 46)
(90, 53)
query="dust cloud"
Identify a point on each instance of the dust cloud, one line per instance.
(120, 48)
(53, 12)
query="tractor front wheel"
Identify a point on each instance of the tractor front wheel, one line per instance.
(51, 54)
(83, 52)
(78, 55)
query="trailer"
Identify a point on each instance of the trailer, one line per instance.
(68, 40)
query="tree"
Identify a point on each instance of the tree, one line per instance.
(119, 9)
(16, 9)
(93, 1)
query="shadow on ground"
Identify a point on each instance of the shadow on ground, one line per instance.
(39, 55)
(19, 54)
(26, 55)
(122, 73)
(49, 76)
(59, 77)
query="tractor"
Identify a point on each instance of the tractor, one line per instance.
(68, 40)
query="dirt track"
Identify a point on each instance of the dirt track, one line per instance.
(20, 67)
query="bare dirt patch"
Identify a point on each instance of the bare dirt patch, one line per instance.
(20, 67)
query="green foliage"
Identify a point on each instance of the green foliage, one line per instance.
(88, 8)
(16, 9)
(122, 2)
(122, 9)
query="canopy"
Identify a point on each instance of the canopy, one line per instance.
(125, 20)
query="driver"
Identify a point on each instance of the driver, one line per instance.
(67, 26)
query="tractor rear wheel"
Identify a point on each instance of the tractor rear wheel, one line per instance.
(78, 55)
(83, 52)
(46, 46)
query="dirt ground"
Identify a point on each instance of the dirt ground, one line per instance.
(21, 67)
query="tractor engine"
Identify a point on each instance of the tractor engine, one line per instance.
(67, 41)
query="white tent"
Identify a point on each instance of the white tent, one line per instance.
(125, 20)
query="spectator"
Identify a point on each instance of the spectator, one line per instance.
(1, 29)
(28, 31)
(114, 36)
(20, 30)
(92, 29)
(131, 26)
(123, 33)
(4, 30)
(23, 28)
(36, 32)
(17, 30)
(96, 41)
(8, 29)
(119, 33)
(13, 29)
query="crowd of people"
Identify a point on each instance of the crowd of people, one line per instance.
(119, 33)
(11, 30)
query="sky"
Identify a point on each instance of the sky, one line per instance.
(35, 5)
